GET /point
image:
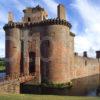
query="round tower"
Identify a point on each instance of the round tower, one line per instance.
(13, 50)
(55, 53)
(56, 49)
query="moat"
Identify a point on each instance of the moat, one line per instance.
(79, 88)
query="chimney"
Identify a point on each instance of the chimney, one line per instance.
(10, 17)
(84, 54)
(97, 54)
(61, 12)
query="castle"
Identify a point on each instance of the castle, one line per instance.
(45, 47)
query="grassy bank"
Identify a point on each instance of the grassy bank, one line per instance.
(2, 65)
(44, 97)
(2, 68)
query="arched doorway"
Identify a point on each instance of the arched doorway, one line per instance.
(32, 66)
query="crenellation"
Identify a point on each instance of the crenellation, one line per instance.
(98, 54)
(85, 54)
(46, 22)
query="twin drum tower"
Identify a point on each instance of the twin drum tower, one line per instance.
(40, 45)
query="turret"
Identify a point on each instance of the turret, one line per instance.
(10, 17)
(12, 50)
(61, 12)
(55, 50)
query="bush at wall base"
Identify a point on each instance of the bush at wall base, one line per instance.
(67, 85)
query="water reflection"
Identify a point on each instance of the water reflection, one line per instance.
(92, 93)
(2, 75)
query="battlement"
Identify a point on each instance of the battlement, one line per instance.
(34, 9)
(42, 23)
(37, 16)
(85, 54)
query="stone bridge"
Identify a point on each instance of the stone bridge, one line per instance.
(10, 84)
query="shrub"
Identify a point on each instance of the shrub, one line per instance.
(52, 85)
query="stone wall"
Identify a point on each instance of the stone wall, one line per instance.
(10, 87)
(85, 66)
(86, 75)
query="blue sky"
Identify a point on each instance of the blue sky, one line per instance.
(84, 15)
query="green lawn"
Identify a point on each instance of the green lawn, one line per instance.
(43, 97)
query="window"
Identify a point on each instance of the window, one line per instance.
(85, 62)
(32, 57)
(29, 19)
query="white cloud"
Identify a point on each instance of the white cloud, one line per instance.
(52, 6)
(74, 26)
(2, 45)
(18, 5)
(9, 6)
(2, 54)
(91, 19)
(1, 31)
(3, 16)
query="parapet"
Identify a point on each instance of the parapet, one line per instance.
(86, 55)
(42, 23)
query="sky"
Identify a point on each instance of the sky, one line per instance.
(84, 15)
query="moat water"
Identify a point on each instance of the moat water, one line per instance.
(92, 93)
(89, 93)
(85, 86)
(2, 75)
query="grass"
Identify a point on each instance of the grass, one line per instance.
(2, 65)
(43, 97)
(2, 68)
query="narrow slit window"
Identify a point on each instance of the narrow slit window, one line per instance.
(29, 19)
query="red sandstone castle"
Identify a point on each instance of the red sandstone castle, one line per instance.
(45, 48)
